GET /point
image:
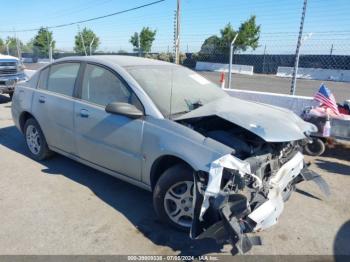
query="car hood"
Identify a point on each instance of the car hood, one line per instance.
(271, 123)
(8, 57)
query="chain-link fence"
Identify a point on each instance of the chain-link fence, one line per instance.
(325, 42)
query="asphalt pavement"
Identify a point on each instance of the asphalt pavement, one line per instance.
(59, 206)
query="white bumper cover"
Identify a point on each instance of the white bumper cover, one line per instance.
(267, 214)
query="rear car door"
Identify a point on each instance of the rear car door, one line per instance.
(108, 140)
(53, 105)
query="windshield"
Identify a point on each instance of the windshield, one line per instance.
(174, 89)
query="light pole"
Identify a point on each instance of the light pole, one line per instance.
(82, 40)
(230, 65)
(50, 51)
(7, 47)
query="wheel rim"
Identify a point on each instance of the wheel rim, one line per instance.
(33, 139)
(178, 203)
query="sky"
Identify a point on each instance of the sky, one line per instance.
(328, 21)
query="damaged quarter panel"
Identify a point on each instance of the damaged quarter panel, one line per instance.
(165, 137)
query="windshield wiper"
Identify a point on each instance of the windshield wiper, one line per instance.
(180, 113)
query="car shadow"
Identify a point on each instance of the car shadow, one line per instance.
(333, 167)
(123, 197)
(341, 243)
(338, 151)
(307, 194)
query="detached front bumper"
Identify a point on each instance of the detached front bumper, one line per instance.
(8, 82)
(229, 216)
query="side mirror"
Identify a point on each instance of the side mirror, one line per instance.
(124, 109)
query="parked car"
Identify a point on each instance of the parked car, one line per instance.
(11, 71)
(218, 166)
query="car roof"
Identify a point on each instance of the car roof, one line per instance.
(121, 60)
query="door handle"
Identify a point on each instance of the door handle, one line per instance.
(84, 113)
(42, 99)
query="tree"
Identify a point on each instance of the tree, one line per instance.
(2, 46)
(88, 36)
(134, 40)
(248, 37)
(227, 35)
(42, 41)
(147, 37)
(210, 44)
(143, 41)
(12, 45)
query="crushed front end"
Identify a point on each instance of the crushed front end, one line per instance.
(238, 197)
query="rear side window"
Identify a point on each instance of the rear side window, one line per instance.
(62, 78)
(42, 84)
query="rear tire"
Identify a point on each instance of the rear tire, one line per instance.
(35, 140)
(173, 197)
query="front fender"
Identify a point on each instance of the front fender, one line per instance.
(164, 137)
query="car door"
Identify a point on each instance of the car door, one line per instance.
(108, 140)
(53, 105)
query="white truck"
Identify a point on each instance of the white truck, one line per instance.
(11, 71)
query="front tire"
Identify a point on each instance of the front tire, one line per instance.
(35, 140)
(173, 197)
(316, 148)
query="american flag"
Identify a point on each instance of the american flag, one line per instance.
(325, 96)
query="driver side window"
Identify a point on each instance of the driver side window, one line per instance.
(100, 86)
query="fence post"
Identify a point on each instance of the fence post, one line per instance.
(230, 65)
(297, 51)
(263, 69)
(331, 53)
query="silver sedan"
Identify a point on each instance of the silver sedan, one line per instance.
(217, 165)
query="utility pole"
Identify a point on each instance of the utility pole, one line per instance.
(177, 36)
(297, 51)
